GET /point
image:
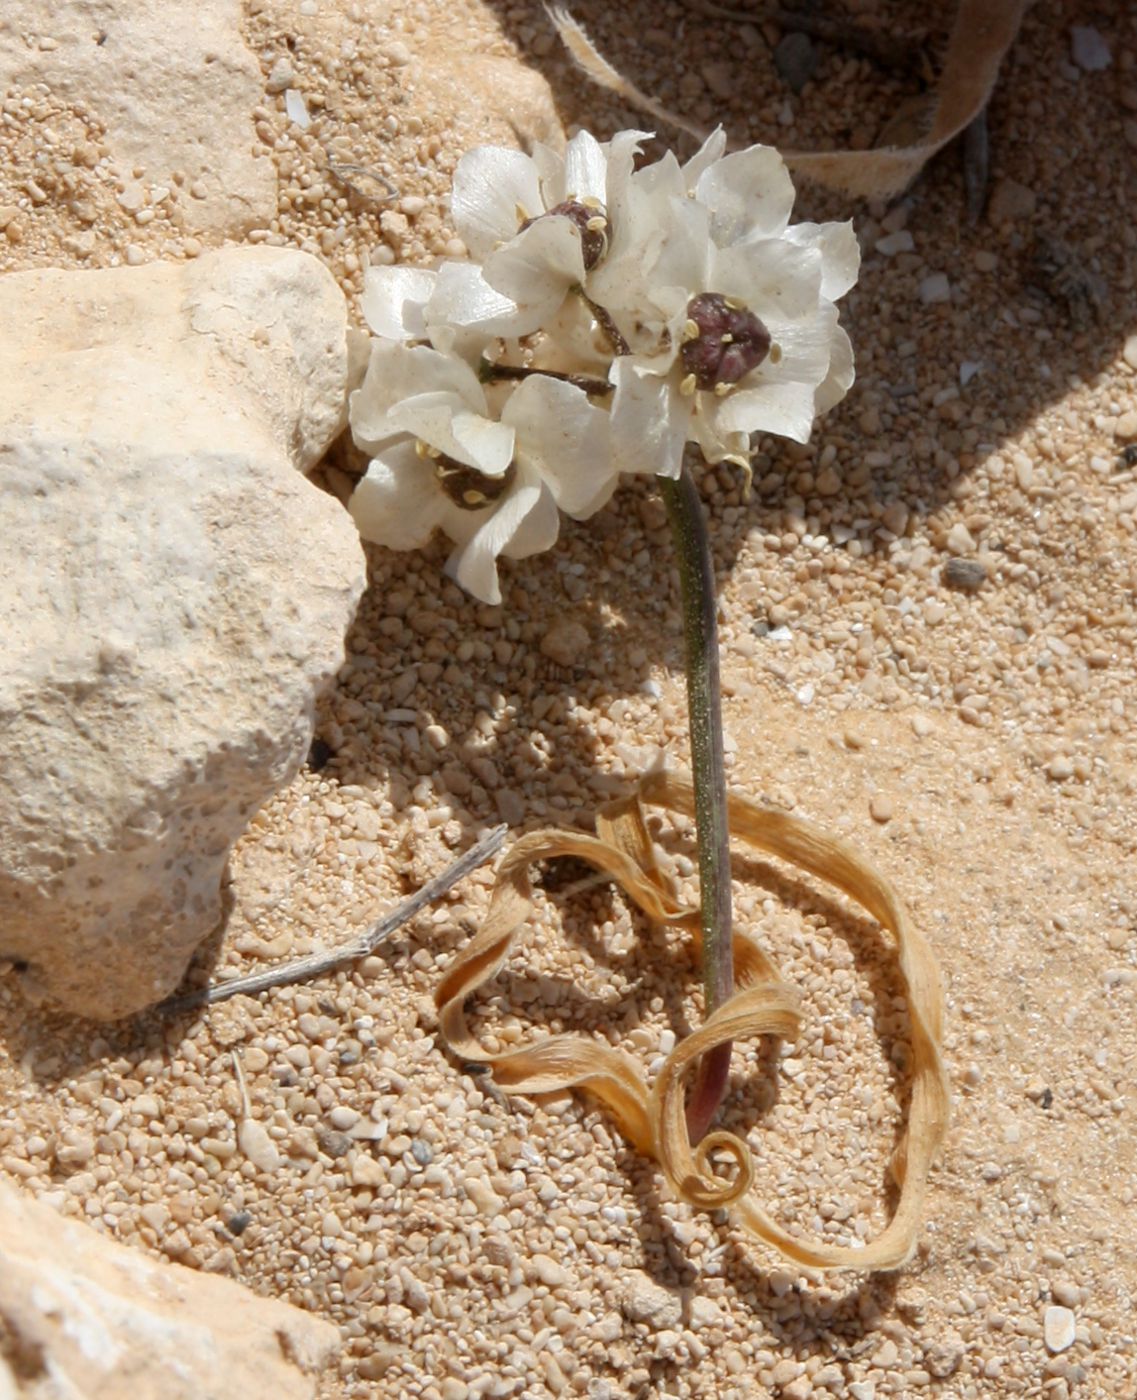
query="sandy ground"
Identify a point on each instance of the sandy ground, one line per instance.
(970, 729)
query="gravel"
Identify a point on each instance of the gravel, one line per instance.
(994, 719)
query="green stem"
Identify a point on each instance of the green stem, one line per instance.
(704, 704)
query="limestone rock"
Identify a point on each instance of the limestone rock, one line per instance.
(173, 597)
(174, 85)
(483, 99)
(82, 1315)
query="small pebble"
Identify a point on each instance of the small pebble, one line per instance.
(155, 1215)
(1089, 48)
(566, 642)
(1060, 768)
(335, 1144)
(895, 517)
(1011, 202)
(719, 78)
(238, 1223)
(704, 1312)
(258, 1147)
(510, 806)
(786, 1370)
(881, 808)
(368, 1171)
(552, 1274)
(899, 242)
(935, 288)
(280, 76)
(484, 1197)
(1067, 1294)
(969, 575)
(795, 58)
(648, 1301)
(960, 539)
(1059, 1328)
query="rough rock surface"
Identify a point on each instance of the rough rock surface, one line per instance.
(174, 85)
(81, 1315)
(484, 98)
(173, 597)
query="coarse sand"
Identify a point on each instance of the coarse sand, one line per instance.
(928, 620)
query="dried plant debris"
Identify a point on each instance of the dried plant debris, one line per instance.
(653, 1118)
(983, 32)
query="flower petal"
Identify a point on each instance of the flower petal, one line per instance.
(685, 259)
(536, 269)
(839, 379)
(463, 298)
(710, 151)
(443, 421)
(650, 420)
(586, 170)
(840, 254)
(495, 191)
(804, 347)
(474, 564)
(397, 373)
(714, 441)
(749, 193)
(538, 530)
(393, 300)
(398, 503)
(564, 438)
(772, 278)
(783, 409)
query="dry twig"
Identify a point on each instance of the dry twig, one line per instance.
(332, 959)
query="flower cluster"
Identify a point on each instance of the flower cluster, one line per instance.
(608, 316)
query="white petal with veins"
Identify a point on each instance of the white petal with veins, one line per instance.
(495, 191)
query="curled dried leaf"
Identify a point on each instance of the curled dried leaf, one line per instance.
(654, 1119)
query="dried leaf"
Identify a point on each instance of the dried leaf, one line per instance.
(653, 1119)
(983, 32)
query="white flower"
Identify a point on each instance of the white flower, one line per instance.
(731, 324)
(536, 226)
(493, 485)
(703, 316)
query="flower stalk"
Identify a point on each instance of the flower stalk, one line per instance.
(704, 705)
